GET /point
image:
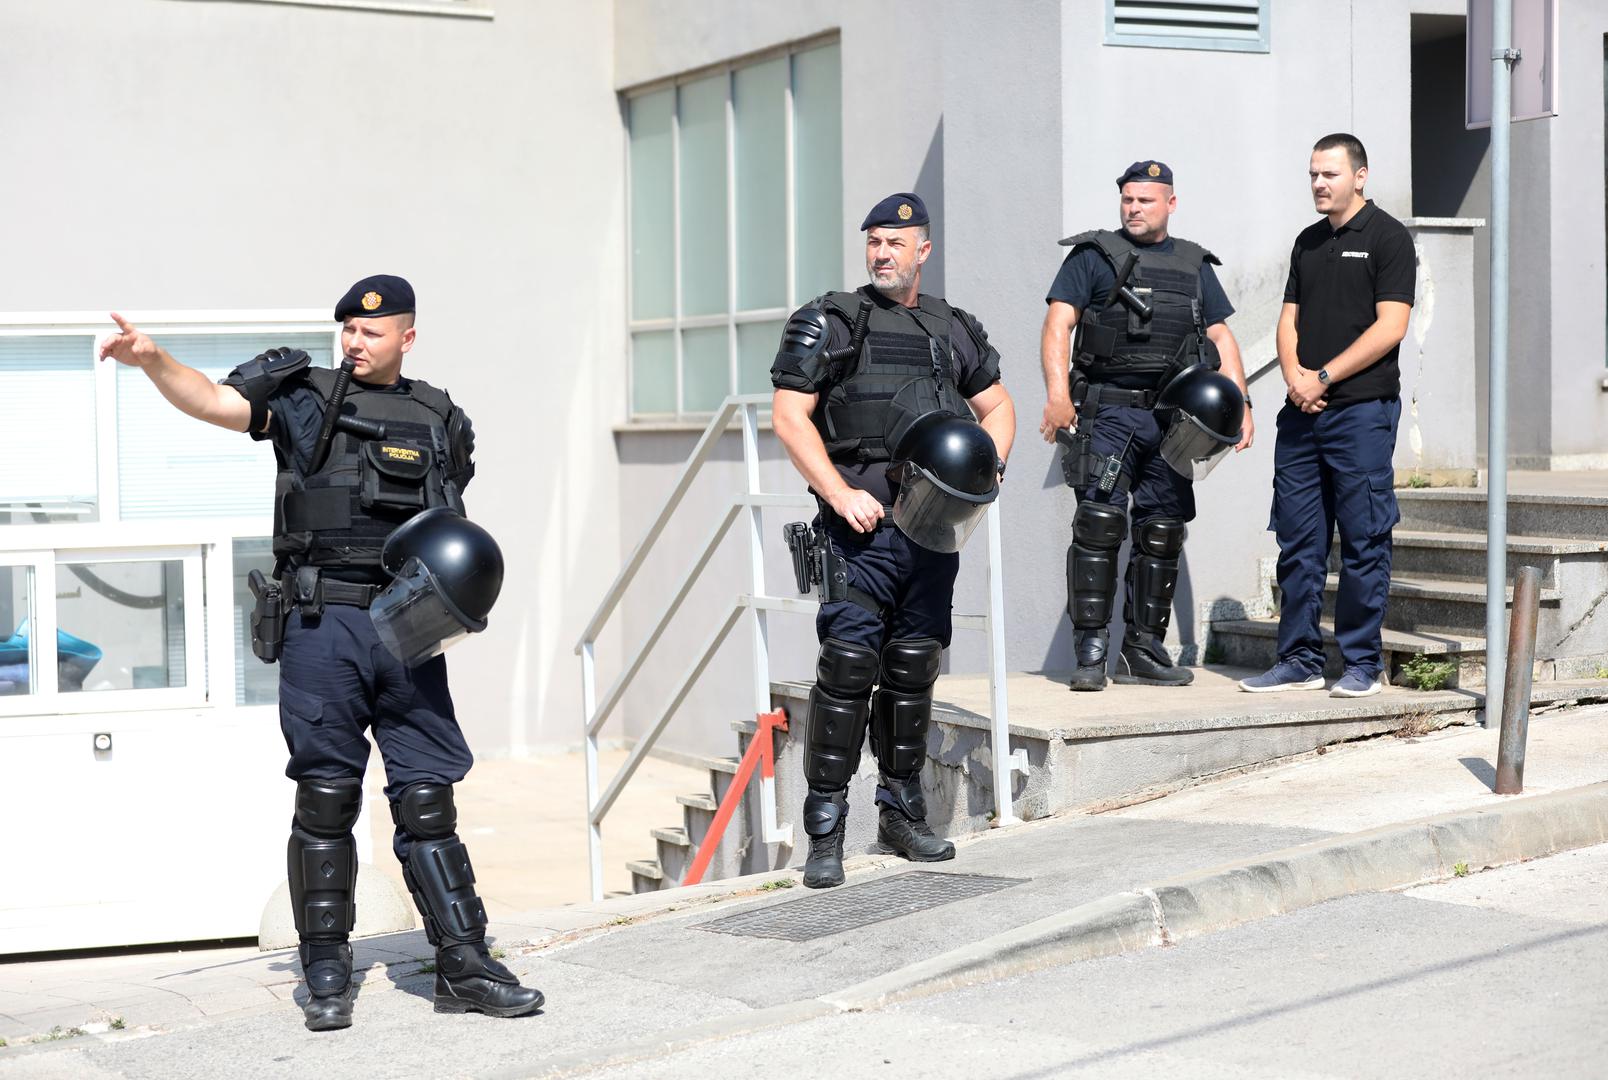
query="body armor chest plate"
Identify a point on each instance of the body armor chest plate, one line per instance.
(1171, 284)
(905, 368)
(341, 515)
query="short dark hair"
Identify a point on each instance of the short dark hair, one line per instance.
(1352, 145)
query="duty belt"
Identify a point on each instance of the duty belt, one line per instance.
(330, 591)
(1098, 394)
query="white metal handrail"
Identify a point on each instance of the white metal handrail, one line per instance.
(757, 604)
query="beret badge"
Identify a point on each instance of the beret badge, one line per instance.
(905, 211)
(371, 300)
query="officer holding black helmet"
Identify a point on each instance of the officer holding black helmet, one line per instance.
(376, 573)
(1130, 313)
(876, 394)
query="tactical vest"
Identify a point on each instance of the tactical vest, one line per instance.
(1174, 335)
(905, 368)
(341, 515)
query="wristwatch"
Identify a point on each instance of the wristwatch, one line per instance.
(1247, 401)
(1323, 376)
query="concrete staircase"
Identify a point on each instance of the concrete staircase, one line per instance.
(678, 845)
(1437, 587)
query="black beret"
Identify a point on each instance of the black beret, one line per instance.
(897, 211)
(378, 294)
(1145, 172)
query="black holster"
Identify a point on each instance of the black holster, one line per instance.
(268, 616)
(816, 566)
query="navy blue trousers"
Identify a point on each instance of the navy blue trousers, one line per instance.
(337, 683)
(1333, 469)
(1156, 489)
(915, 587)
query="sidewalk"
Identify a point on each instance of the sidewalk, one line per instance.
(642, 971)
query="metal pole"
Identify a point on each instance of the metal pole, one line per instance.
(1496, 440)
(1520, 665)
(1004, 773)
(594, 826)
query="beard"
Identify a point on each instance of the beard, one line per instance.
(896, 285)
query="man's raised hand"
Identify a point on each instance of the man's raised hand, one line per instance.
(128, 345)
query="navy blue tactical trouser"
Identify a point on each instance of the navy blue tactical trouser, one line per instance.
(336, 681)
(1156, 489)
(914, 586)
(1334, 468)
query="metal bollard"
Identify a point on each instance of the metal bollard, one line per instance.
(1516, 687)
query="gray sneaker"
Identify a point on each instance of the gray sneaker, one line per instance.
(1355, 684)
(1284, 675)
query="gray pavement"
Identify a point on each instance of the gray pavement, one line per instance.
(1497, 974)
(641, 971)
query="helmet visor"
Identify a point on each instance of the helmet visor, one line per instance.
(413, 620)
(1192, 449)
(933, 515)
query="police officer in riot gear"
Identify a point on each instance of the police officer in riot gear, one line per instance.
(1128, 312)
(855, 374)
(360, 452)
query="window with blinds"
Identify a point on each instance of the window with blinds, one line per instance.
(47, 399)
(171, 467)
(1235, 25)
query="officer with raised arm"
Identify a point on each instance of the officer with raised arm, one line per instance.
(371, 464)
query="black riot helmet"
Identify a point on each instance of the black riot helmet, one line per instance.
(947, 472)
(446, 574)
(1206, 423)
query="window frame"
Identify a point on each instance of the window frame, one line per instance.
(205, 544)
(461, 9)
(1263, 44)
(732, 318)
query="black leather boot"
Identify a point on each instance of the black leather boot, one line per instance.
(1143, 661)
(469, 980)
(1091, 656)
(825, 817)
(328, 969)
(902, 822)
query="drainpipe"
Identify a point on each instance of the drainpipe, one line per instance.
(1502, 58)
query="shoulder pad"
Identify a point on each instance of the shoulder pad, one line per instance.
(1188, 249)
(805, 336)
(432, 398)
(1107, 241)
(258, 378)
(973, 328)
(846, 304)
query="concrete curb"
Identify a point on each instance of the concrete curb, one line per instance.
(1206, 901)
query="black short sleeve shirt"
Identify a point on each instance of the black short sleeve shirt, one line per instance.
(1336, 278)
(1086, 278)
(976, 369)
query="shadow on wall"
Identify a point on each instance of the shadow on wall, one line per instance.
(930, 186)
(1182, 639)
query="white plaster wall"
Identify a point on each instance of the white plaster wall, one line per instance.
(189, 154)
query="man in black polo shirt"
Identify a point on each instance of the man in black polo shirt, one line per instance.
(1346, 306)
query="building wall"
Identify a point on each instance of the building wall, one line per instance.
(187, 154)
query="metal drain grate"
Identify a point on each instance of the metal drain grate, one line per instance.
(841, 909)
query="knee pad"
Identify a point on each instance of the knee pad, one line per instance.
(1091, 563)
(328, 807)
(321, 859)
(838, 710)
(1156, 546)
(426, 811)
(902, 709)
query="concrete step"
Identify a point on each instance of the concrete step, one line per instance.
(646, 876)
(1090, 751)
(1464, 510)
(675, 852)
(1461, 556)
(1253, 643)
(1419, 605)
